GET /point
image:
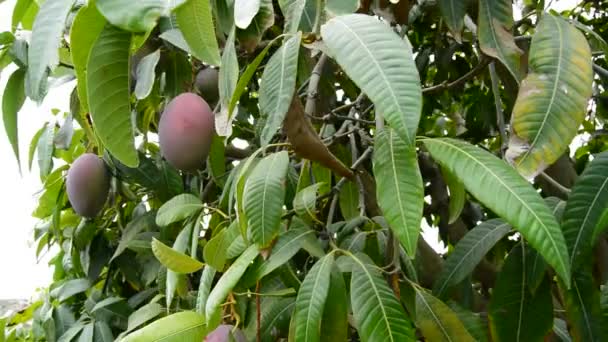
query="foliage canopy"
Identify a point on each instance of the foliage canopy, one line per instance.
(341, 128)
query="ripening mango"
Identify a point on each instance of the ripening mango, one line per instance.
(185, 132)
(88, 184)
(207, 84)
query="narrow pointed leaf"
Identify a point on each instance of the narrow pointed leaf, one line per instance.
(146, 75)
(178, 208)
(215, 251)
(457, 195)
(582, 304)
(311, 300)
(174, 279)
(584, 208)
(399, 187)
(292, 11)
(143, 315)
(334, 324)
(174, 260)
(86, 27)
(228, 80)
(12, 100)
(109, 94)
(305, 201)
(134, 16)
(469, 251)
(181, 326)
(552, 99)
(245, 11)
(516, 314)
(195, 20)
(453, 12)
(278, 86)
(437, 321)
(495, 38)
(204, 288)
(263, 197)
(381, 64)
(43, 51)
(512, 198)
(378, 314)
(227, 282)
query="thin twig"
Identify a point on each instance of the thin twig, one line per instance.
(500, 120)
(313, 85)
(600, 71)
(555, 183)
(469, 75)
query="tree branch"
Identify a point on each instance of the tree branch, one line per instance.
(313, 85)
(469, 75)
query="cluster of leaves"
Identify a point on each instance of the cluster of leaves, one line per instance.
(450, 101)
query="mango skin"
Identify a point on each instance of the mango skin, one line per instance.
(207, 84)
(88, 185)
(185, 131)
(222, 334)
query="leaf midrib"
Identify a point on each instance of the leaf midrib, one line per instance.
(523, 203)
(398, 193)
(582, 227)
(471, 250)
(435, 318)
(557, 79)
(377, 295)
(315, 284)
(380, 71)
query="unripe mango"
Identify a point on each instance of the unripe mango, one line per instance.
(185, 132)
(88, 184)
(207, 84)
(222, 334)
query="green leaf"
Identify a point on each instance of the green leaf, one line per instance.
(453, 12)
(305, 200)
(515, 314)
(292, 12)
(133, 228)
(178, 208)
(582, 304)
(457, 195)
(311, 300)
(69, 335)
(195, 20)
(277, 86)
(175, 37)
(24, 12)
(334, 324)
(224, 121)
(469, 251)
(43, 53)
(245, 11)
(381, 64)
(275, 316)
(70, 288)
(495, 38)
(143, 315)
(349, 200)
(399, 187)
(437, 321)
(226, 283)
(109, 94)
(87, 333)
(12, 100)
(552, 99)
(584, 208)
(204, 288)
(146, 75)
(560, 328)
(134, 16)
(103, 333)
(215, 251)
(378, 314)
(178, 327)
(228, 80)
(45, 149)
(263, 197)
(86, 27)
(174, 279)
(174, 260)
(512, 198)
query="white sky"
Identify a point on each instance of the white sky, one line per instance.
(21, 274)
